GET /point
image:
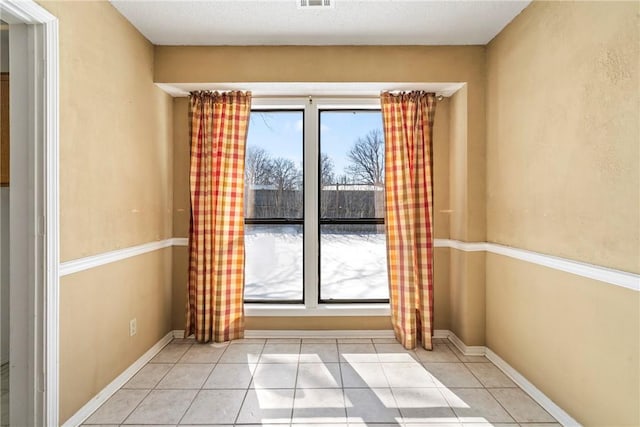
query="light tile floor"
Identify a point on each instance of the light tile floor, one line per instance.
(298, 382)
(4, 399)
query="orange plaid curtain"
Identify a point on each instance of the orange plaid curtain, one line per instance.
(218, 131)
(408, 124)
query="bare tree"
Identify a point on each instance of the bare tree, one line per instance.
(367, 159)
(326, 170)
(284, 174)
(258, 166)
(287, 180)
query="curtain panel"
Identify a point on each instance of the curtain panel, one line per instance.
(408, 128)
(218, 133)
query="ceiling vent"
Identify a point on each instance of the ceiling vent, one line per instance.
(315, 4)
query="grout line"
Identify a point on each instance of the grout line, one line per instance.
(190, 405)
(244, 399)
(491, 394)
(129, 414)
(295, 388)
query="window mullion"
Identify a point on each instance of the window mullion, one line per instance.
(311, 204)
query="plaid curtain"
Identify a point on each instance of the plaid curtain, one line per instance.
(408, 127)
(218, 132)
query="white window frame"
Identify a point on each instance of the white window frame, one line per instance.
(312, 106)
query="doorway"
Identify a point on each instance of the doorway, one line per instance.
(29, 234)
(4, 223)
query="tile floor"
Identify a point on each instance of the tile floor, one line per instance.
(354, 382)
(4, 399)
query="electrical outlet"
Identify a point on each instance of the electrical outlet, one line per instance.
(133, 327)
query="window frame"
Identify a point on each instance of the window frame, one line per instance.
(283, 221)
(311, 305)
(340, 221)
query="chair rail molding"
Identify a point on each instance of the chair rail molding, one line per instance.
(81, 264)
(590, 271)
(603, 274)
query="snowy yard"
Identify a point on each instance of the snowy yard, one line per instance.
(353, 265)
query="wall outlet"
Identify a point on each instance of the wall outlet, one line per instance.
(133, 327)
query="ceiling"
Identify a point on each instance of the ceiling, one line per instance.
(347, 22)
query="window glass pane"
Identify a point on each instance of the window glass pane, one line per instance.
(353, 259)
(273, 262)
(274, 191)
(351, 164)
(353, 262)
(273, 165)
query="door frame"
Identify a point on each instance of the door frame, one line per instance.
(34, 284)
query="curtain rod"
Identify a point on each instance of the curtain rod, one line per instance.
(439, 96)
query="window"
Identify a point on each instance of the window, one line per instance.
(314, 216)
(353, 256)
(273, 207)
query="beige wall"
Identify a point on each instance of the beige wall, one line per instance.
(201, 64)
(181, 214)
(563, 151)
(576, 339)
(466, 269)
(563, 178)
(115, 162)
(115, 192)
(467, 296)
(96, 306)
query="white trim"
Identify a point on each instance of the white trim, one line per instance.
(321, 310)
(52, 222)
(548, 404)
(441, 333)
(558, 413)
(25, 12)
(86, 263)
(180, 241)
(311, 259)
(276, 333)
(43, 293)
(590, 271)
(179, 334)
(467, 350)
(457, 244)
(257, 333)
(91, 406)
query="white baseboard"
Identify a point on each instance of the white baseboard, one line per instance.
(258, 333)
(90, 407)
(179, 334)
(319, 334)
(438, 333)
(557, 412)
(548, 404)
(467, 350)
(441, 333)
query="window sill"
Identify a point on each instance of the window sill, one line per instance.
(326, 310)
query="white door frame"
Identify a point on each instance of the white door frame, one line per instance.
(34, 235)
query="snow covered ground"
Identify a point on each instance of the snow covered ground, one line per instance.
(353, 265)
